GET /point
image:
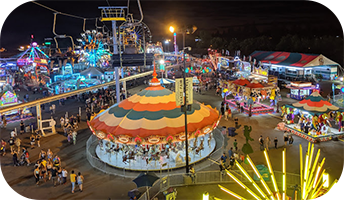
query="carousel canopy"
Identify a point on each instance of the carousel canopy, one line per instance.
(153, 113)
(166, 81)
(254, 85)
(241, 81)
(314, 104)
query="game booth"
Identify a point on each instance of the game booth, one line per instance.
(313, 119)
(300, 90)
(248, 96)
(146, 131)
(9, 98)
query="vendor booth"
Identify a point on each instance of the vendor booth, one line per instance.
(300, 90)
(9, 98)
(313, 119)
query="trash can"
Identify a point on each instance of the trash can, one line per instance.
(231, 131)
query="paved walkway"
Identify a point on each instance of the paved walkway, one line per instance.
(103, 186)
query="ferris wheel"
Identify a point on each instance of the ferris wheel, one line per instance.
(134, 34)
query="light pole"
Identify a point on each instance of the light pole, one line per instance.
(184, 107)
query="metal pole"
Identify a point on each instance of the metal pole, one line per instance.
(115, 51)
(185, 111)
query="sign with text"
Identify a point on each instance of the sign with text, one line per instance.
(189, 90)
(179, 88)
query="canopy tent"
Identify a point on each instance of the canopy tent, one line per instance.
(292, 59)
(166, 81)
(92, 71)
(241, 81)
(254, 85)
(195, 80)
(314, 104)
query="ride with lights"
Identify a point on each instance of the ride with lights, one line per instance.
(314, 181)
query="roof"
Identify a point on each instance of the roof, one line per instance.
(92, 71)
(315, 104)
(241, 81)
(292, 59)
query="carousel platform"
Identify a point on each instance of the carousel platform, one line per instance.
(257, 108)
(293, 128)
(175, 159)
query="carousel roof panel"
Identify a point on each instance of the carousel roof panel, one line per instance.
(315, 104)
(152, 111)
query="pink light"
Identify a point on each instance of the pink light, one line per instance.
(34, 44)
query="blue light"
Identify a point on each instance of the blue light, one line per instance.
(342, 89)
(317, 86)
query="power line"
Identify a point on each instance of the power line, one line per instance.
(61, 13)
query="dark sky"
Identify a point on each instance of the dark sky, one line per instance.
(30, 18)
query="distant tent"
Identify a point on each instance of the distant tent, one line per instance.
(166, 81)
(92, 71)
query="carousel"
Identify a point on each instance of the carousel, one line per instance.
(313, 119)
(249, 95)
(146, 131)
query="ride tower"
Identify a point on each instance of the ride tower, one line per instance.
(114, 14)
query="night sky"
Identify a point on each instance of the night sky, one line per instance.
(213, 16)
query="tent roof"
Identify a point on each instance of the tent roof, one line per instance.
(292, 59)
(241, 81)
(93, 71)
(315, 104)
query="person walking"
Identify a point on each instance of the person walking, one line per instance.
(267, 143)
(73, 180)
(74, 134)
(261, 143)
(224, 159)
(38, 139)
(230, 152)
(235, 144)
(64, 176)
(54, 175)
(15, 158)
(80, 180)
(275, 141)
(285, 137)
(32, 141)
(36, 174)
(226, 114)
(231, 161)
(222, 110)
(62, 122)
(27, 156)
(290, 139)
(230, 115)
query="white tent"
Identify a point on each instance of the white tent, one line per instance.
(166, 81)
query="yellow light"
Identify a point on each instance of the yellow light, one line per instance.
(230, 192)
(235, 179)
(259, 190)
(253, 167)
(172, 29)
(243, 171)
(283, 163)
(283, 196)
(266, 187)
(316, 176)
(206, 196)
(325, 180)
(328, 193)
(284, 188)
(306, 168)
(251, 193)
(274, 183)
(301, 163)
(268, 161)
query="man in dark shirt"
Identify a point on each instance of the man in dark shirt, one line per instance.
(54, 175)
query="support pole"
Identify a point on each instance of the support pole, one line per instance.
(185, 112)
(39, 115)
(115, 51)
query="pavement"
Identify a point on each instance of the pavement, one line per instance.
(99, 185)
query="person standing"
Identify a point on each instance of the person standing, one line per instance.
(80, 180)
(18, 143)
(261, 143)
(285, 137)
(13, 134)
(230, 152)
(222, 110)
(72, 180)
(62, 122)
(275, 141)
(235, 144)
(267, 143)
(230, 115)
(22, 127)
(11, 143)
(231, 161)
(224, 159)
(3, 147)
(291, 139)
(53, 108)
(27, 156)
(226, 114)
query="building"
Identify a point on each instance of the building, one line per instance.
(293, 65)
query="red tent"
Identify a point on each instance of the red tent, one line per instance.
(254, 85)
(241, 81)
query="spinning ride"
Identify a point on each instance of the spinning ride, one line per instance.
(148, 126)
(95, 51)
